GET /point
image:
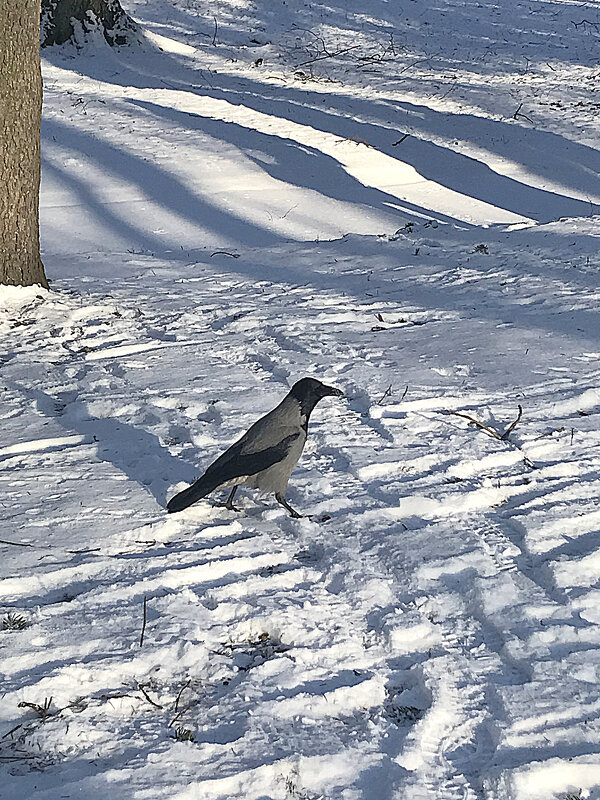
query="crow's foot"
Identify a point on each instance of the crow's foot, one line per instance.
(229, 507)
(283, 502)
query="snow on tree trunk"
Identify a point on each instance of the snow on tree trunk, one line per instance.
(60, 18)
(21, 86)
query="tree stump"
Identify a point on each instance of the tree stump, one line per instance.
(57, 20)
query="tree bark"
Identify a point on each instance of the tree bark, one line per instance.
(20, 114)
(58, 15)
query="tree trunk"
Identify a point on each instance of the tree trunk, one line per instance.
(108, 15)
(21, 112)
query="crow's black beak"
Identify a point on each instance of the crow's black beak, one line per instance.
(331, 390)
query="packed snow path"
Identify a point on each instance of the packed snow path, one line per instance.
(431, 628)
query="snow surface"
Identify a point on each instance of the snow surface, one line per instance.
(398, 198)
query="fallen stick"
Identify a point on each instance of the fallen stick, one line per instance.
(512, 425)
(501, 437)
(328, 55)
(15, 544)
(479, 424)
(144, 622)
(182, 712)
(148, 698)
(181, 691)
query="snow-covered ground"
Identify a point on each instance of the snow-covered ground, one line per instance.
(404, 202)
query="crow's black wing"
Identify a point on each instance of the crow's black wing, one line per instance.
(237, 462)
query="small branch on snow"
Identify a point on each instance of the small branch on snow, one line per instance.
(479, 424)
(501, 437)
(214, 39)
(327, 55)
(512, 425)
(400, 140)
(16, 544)
(594, 25)
(182, 712)
(181, 691)
(518, 114)
(387, 392)
(224, 253)
(148, 698)
(144, 622)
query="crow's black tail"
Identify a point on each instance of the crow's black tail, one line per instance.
(196, 491)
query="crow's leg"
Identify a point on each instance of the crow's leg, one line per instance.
(282, 501)
(229, 504)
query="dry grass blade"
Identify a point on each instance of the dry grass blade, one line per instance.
(12, 730)
(16, 758)
(327, 55)
(387, 392)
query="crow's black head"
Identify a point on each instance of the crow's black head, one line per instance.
(309, 391)
(313, 389)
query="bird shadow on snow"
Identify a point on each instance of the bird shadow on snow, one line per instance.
(133, 451)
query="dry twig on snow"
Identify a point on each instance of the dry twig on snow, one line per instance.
(43, 711)
(144, 622)
(148, 698)
(182, 712)
(503, 437)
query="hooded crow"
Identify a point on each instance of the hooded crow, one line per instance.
(266, 454)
